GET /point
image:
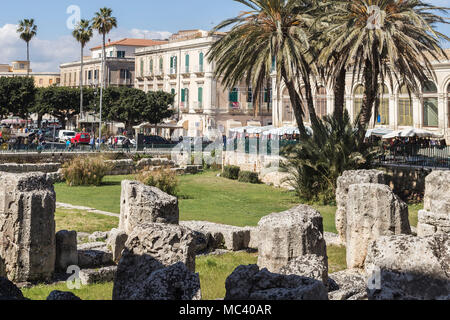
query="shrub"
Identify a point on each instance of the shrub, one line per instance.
(248, 177)
(85, 171)
(231, 172)
(163, 179)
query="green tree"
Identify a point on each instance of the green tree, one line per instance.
(83, 34)
(62, 103)
(17, 96)
(382, 39)
(270, 34)
(158, 107)
(28, 31)
(103, 22)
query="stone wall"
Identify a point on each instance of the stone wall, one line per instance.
(250, 162)
(29, 167)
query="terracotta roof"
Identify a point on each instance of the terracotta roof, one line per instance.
(133, 43)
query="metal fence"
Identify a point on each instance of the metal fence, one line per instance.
(416, 156)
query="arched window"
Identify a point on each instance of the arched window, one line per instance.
(383, 110)
(430, 105)
(142, 67)
(358, 96)
(161, 64)
(151, 66)
(405, 110)
(321, 102)
(200, 62)
(187, 63)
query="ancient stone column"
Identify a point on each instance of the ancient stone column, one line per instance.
(435, 218)
(27, 226)
(284, 236)
(343, 183)
(140, 204)
(373, 210)
(149, 248)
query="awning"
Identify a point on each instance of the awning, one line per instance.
(378, 132)
(412, 132)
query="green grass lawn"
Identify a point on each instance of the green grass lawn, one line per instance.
(202, 197)
(213, 270)
(82, 221)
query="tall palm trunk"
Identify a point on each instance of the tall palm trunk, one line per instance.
(296, 103)
(102, 87)
(339, 95)
(370, 74)
(81, 85)
(28, 58)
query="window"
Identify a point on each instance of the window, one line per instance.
(233, 98)
(142, 67)
(173, 65)
(111, 53)
(120, 54)
(90, 75)
(124, 74)
(151, 66)
(50, 82)
(200, 97)
(430, 105)
(405, 111)
(321, 102)
(41, 81)
(161, 64)
(383, 110)
(200, 62)
(357, 101)
(187, 63)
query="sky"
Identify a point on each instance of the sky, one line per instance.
(153, 19)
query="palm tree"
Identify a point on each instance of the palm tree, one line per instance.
(83, 34)
(103, 22)
(28, 31)
(383, 39)
(271, 34)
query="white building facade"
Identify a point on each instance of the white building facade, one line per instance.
(203, 106)
(429, 110)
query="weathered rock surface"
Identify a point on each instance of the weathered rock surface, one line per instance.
(373, 210)
(116, 243)
(347, 285)
(66, 250)
(27, 226)
(98, 236)
(94, 255)
(308, 266)
(9, 291)
(409, 268)
(141, 204)
(219, 235)
(91, 276)
(251, 283)
(62, 296)
(175, 282)
(435, 218)
(253, 243)
(343, 183)
(149, 248)
(287, 235)
(277, 179)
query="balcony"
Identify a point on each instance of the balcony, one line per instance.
(160, 74)
(186, 72)
(200, 70)
(184, 107)
(235, 108)
(173, 73)
(140, 76)
(198, 106)
(150, 75)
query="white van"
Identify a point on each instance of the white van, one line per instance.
(65, 135)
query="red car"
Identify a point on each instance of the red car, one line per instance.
(81, 138)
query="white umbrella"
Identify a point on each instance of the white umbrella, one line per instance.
(379, 132)
(416, 132)
(391, 135)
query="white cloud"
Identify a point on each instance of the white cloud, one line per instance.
(47, 55)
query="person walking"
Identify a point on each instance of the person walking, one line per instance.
(92, 143)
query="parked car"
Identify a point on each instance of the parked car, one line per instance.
(81, 138)
(65, 135)
(156, 140)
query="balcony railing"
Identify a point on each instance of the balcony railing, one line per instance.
(200, 69)
(198, 106)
